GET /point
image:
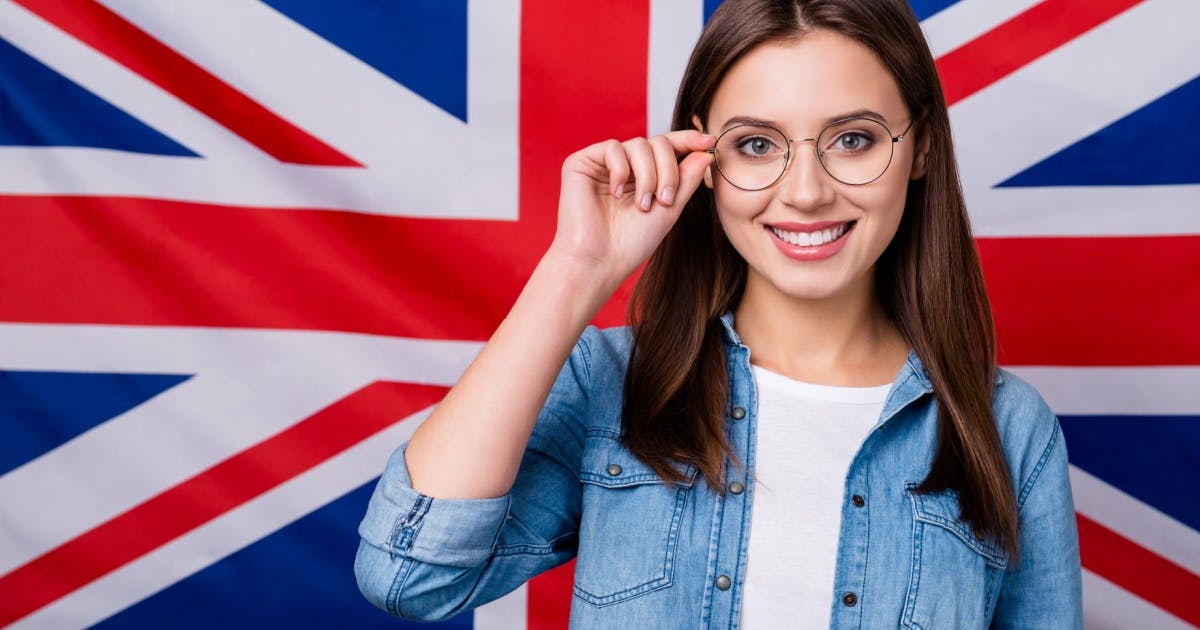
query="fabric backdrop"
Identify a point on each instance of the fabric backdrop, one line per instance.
(246, 245)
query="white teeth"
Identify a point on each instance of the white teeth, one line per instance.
(811, 239)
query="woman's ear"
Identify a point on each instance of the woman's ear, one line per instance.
(708, 171)
(919, 159)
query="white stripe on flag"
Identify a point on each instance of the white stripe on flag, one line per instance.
(1114, 391)
(510, 612)
(674, 28)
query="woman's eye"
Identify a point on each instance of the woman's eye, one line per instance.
(852, 141)
(756, 146)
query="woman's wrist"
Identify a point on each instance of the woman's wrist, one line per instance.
(582, 283)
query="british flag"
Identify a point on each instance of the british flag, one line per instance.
(245, 245)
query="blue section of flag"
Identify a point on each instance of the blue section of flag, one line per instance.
(299, 577)
(927, 8)
(709, 7)
(39, 107)
(1152, 458)
(42, 410)
(421, 44)
(1152, 146)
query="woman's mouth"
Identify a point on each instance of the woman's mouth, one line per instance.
(815, 238)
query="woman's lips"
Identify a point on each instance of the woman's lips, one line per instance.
(808, 242)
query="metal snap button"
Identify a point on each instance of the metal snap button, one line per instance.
(737, 487)
(723, 582)
(614, 469)
(849, 599)
(858, 501)
(737, 413)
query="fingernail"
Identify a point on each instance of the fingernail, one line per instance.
(646, 201)
(667, 195)
(620, 191)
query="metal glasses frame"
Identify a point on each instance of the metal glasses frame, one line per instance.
(787, 159)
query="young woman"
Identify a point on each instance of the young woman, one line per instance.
(804, 425)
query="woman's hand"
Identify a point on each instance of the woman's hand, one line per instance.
(619, 199)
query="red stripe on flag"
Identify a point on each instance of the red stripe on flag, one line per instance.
(119, 39)
(150, 262)
(1139, 570)
(209, 494)
(1094, 301)
(1058, 301)
(612, 100)
(549, 599)
(1020, 40)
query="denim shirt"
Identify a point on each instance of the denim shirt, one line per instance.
(651, 555)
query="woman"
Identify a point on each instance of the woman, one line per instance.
(804, 424)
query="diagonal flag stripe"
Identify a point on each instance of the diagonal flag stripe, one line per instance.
(209, 494)
(1020, 40)
(1139, 570)
(114, 36)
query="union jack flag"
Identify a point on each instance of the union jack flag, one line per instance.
(245, 245)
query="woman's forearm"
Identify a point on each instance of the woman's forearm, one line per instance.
(471, 445)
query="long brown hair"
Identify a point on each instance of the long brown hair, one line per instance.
(929, 278)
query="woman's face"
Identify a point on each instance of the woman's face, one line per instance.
(800, 87)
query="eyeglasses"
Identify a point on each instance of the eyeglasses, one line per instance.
(853, 151)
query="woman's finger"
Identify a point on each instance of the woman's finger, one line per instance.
(618, 167)
(689, 140)
(667, 167)
(691, 173)
(641, 160)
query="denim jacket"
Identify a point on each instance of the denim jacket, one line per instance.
(651, 555)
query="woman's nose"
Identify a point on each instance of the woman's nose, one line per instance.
(806, 185)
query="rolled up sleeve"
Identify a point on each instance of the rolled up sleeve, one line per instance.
(427, 559)
(449, 532)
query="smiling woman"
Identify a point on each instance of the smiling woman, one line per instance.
(803, 422)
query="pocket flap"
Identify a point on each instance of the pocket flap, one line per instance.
(606, 462)
(942, 508)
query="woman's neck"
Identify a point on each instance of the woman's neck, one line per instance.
(844, 340)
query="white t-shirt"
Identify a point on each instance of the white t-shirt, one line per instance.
(807, 436)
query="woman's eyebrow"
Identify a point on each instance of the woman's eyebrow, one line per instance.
(748, 120)
(765, 122)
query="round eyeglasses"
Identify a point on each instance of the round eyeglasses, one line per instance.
(854, 151)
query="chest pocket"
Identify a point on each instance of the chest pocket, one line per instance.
(955, 576)
(630, 524)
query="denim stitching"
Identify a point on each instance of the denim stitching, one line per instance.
(1037, 470)
(404, 531)
(655, 584)
(398, 584)
(914, 581)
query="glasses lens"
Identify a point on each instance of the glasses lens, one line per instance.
(855, 151)
(751, 157)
